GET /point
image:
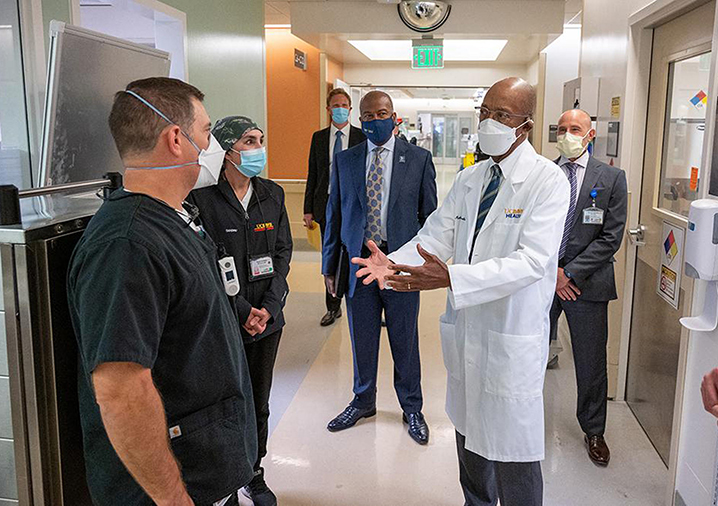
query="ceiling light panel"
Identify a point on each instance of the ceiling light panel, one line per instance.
(454, 50)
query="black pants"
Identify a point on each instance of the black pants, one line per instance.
(261, 356)
(485, 482)
(333, 303)
(588, 323)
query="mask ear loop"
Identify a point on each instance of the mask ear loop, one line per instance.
(163, 116)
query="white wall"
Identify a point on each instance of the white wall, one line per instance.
(562, 59)
(453, 74)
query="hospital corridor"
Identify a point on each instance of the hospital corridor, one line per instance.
(358, 252)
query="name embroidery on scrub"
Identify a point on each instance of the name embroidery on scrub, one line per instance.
(231, 230)
(263, 227)
(513, 214)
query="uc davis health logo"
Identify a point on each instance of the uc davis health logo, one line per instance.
(263, 227)
(513, 214)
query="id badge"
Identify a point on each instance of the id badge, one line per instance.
(593, 216)
(260, 267)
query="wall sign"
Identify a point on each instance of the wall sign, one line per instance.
(671, 270)
(616, 107)
(300, 59)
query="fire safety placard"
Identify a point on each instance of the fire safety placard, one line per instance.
(671, 268)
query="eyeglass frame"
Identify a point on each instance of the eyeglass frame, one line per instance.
(491, 114)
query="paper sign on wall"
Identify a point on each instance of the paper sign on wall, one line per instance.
(694, 179)
(671, 270)
(616, 107)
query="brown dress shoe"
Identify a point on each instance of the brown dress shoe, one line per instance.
(598, 450)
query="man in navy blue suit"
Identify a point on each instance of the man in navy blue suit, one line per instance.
(381, 190)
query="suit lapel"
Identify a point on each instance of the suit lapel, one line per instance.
(589, 183)
(325, 149)
(354, 137)
(398, 172)
(358, 170)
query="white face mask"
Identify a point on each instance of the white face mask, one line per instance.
(210, 161)
(570, 145)
(495, 138)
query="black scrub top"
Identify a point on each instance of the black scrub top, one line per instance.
(144, 287)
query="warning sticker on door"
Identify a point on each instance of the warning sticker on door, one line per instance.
(669, 276)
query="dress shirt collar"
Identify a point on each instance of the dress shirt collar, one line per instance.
(388, 145)
(344, 130)
(581, 161)
(509, 163)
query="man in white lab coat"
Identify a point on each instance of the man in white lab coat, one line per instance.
(501, 224)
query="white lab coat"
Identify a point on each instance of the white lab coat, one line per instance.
(495, 332)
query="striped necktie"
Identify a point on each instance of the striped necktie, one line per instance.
(487, 200)
(374, 187)
(571, 169)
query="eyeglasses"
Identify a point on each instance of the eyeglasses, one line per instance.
(500, 116)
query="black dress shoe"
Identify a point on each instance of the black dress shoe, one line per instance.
(259, 492)
(330, 317)
(349, 417)
(418, 429)
(598, 450)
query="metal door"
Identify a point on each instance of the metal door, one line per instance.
(672, 161)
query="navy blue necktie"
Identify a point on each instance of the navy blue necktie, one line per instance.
(487, 200)
(337, 145)
(571, 168)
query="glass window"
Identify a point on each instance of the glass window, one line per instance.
(14, 140)
(452, 135)
(683, 132)
(437, 145)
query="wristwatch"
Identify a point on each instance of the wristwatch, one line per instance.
(567, 274)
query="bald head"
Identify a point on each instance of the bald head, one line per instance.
(376, 100)
(513, 95)
(575, 121)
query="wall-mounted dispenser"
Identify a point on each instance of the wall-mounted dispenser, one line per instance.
(701, 261)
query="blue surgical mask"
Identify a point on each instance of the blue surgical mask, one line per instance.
(340, 115)
(253, 161)
(378, 130)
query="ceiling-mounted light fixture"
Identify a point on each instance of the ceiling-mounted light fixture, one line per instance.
(423, 15)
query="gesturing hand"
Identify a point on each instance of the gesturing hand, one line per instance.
(433, 274)
(709, 391)
(375, 268)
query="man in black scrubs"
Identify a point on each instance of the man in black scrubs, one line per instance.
(165, 395)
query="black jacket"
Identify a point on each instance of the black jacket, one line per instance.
(590, 249)
(317, 191)
(264, 228)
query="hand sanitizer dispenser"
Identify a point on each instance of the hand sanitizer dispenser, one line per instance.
(701, 259)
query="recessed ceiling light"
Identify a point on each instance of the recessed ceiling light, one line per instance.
(454, 50)
(278, 26)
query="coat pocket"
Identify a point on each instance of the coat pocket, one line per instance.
(514, 366)
(210, 446)
(452, 361)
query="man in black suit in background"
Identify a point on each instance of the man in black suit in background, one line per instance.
(592, 236)
(340, 135)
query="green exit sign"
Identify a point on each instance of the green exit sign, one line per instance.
(428, 56)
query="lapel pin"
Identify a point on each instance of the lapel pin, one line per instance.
(402, 159)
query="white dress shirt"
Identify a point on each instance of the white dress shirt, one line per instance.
(387, 158)
(581, 162)
(333, 139)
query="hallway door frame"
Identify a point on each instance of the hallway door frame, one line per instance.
(640, 47)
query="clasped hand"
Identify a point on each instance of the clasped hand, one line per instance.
(257, 321)
(403, 278)
(566, 289)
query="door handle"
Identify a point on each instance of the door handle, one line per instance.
(637, 235)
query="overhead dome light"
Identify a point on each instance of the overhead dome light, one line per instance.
(424, 16)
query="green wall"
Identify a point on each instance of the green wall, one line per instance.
(225, 44)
